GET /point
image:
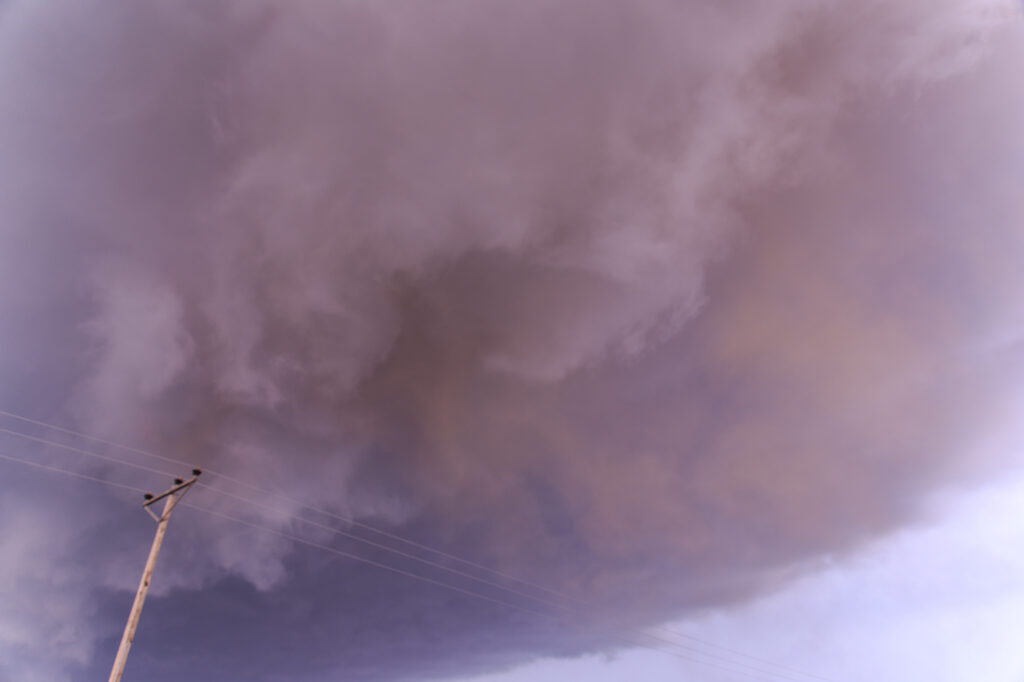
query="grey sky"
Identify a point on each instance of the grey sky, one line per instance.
(685, 312)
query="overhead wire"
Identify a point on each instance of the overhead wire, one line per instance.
(68, 472)
(386, 548)
(332, 529)
(477, 595)
(264, 506)
(95, 439)
(409, 574)
(346, 519)
(362, 559)
(287, 498)
(89, 453)
(549, 603)
(675, 633)
(378, 564)
(294, 517)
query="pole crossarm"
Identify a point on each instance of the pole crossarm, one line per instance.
(171, 497)
(180, 486)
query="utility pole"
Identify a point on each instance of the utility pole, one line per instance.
(171, 496)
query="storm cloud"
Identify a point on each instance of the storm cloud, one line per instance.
(656, 304)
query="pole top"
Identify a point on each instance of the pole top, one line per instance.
(179, 485)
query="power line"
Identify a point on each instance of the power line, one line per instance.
(796, 671)
(68, 472)
(290, 536)
(371, 562)
(516, 607)
(409, 574)
(541, 600)
(392, 550)
(268, 529)
(262, 491)
(337, 531)
(86, 436)
(264, 506)
(291, 516)
(544, 601)
(80, 451)
(761, 671)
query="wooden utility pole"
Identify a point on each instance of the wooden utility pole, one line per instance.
(171, 497)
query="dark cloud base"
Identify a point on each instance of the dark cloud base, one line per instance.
(359, 627)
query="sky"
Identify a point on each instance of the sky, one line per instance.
(940, 601)
(517, 341)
